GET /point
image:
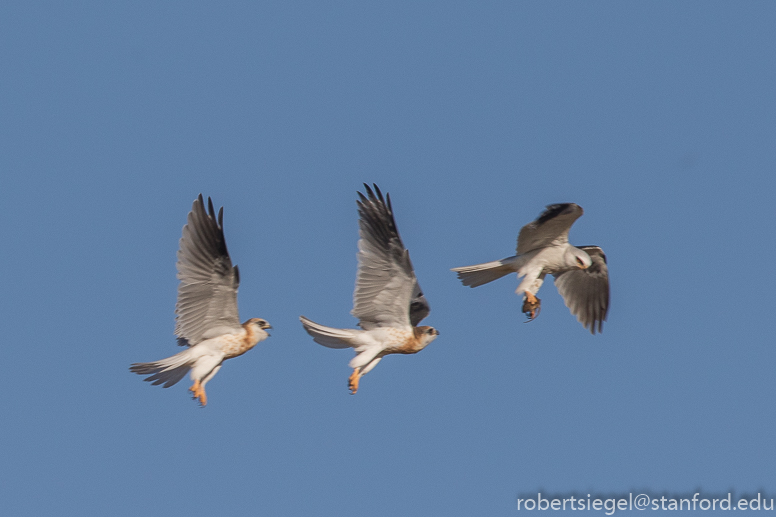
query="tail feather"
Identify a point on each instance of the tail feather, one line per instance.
(327, 336)
(480, 274)
(166, 371)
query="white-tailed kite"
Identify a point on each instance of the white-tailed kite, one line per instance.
(581, 274)
(207, 321)
(387, 300)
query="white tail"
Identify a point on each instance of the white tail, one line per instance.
(327, 336)
(167, 371)
(480, 274)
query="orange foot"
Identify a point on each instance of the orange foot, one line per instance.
(198, 392)
(353, 381)
(532, 306)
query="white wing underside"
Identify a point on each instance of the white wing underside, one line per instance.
(207, 294)
(586, 291)
(387, 293)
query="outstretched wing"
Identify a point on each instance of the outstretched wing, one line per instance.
(586, 291)
(386, 288)
(550, 228)
(207, 294)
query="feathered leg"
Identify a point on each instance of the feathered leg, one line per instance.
(365, 360)
(529, 286)
(204, 370)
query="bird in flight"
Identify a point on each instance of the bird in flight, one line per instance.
(581, 274)
(387, 299)
(206, 317)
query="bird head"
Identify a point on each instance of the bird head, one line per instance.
(260, 323)
(578, 259)
(425, 335)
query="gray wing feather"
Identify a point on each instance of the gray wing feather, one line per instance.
(207, 294)
(550, 228)
(387, 290)
(419, 307)
(586, 291)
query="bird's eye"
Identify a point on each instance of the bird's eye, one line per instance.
(580, 262)
(430, 331)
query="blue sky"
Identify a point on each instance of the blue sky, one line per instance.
(656, 117)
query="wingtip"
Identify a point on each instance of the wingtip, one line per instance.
(378, 192)
(369, 191)
(373, 193)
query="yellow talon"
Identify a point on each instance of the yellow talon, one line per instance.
(353, 381)
(531, 306)
(198, 392)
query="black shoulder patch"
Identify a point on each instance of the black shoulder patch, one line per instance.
(594, 250)
(553, 211)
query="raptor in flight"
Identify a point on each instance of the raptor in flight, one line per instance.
(581, 274)
(207, 321)
(387, 300)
